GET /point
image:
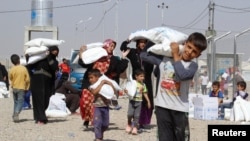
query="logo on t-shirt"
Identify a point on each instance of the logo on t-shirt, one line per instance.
(168, 85)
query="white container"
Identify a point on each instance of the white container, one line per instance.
(41, 12)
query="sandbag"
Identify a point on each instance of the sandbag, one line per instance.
(35, 50)
(93, 54)
(44, 42)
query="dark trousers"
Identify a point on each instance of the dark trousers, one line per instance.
(65, 75)
(72, 102)
(101, 121)
(171, 124)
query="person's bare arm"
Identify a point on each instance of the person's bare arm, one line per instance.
(148, 101)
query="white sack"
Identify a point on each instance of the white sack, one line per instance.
(140, 34)
(57, 113)
(159, 35)
(3, 90)
(131, 86)
(57, 106)
(232, 115)
(36, 50)
(93, 54)
(57, 102)
(162, 37)
(106, 91)
(238, 113)
(44, 42)
(35, 58)
(163, 33)
(94, 45)
(114, 83)
(163, 49)
(245, 107)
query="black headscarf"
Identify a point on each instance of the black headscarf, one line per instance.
(53, 48)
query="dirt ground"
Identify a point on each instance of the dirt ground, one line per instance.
(71, 129)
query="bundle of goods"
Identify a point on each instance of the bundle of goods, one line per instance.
(94, 51)
(161, 37)
(38, 48)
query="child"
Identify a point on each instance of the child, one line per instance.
(241, 91)
(173, 80)
(101, 112)
(134, 106)
(216, 92)
(20, 82)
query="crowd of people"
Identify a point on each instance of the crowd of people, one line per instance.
(169, 101)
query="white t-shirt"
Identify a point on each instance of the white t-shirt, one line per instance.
(204, 80)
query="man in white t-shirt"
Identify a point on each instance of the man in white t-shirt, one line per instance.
(204, 81)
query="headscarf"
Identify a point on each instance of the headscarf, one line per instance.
(53, 48)
(107, 43)
(103, 63)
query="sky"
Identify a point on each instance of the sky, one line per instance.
(117, 19)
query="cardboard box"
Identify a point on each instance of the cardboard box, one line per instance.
(205, 108)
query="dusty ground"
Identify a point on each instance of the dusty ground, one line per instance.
(71, 129)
